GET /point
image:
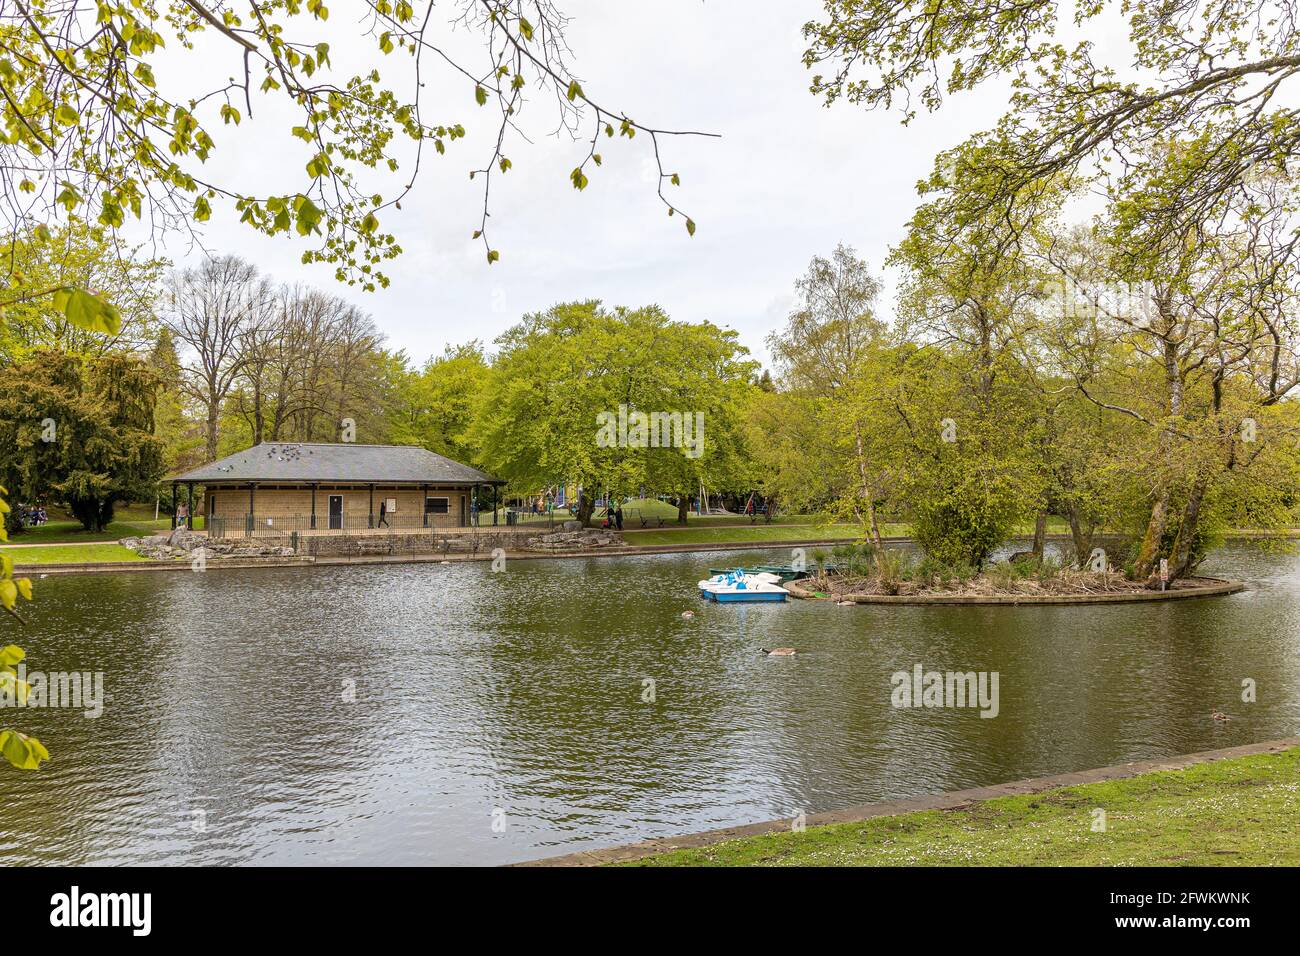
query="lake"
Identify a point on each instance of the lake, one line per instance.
(446, 714)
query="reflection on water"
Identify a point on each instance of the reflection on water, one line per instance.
(229, 735)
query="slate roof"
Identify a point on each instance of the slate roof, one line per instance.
(296, 461)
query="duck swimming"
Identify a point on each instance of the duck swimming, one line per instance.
(778, 651)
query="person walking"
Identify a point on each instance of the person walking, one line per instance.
(383, 515)
(618, 515)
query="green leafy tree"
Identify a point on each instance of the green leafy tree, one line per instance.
(81, 431)
(535, 421)
(561, 380)
(973, 425)
(1197, 357)
(702, 373)
(823, 439)
(434, 406)
(182, 438)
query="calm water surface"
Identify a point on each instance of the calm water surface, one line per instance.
(521, 692)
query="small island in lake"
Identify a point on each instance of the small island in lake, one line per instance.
(863, 572)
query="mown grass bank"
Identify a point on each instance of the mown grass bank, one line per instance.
(129, 521)
(1232, 812)
(92, 553)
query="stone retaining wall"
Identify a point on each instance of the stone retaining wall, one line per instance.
(183, 543)
(179, 564)
(470, 542)
(475, 542)
(574, 540)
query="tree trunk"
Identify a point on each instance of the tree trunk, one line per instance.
(1149, 553)
(210, 432)
(259, 417)
(1181, 560)
(864, 488)
(683, 508)
(1082, 535)
(1040, 535)
(586, 505)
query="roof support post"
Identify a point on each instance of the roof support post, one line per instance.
(424, 505)
(495, 505)
(314, 486)
(252, 502)
(190, 519)
(372, 506)
(174, 505)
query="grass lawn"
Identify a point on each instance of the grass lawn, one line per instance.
(1239, 812)
(130, 521)
(71, 554)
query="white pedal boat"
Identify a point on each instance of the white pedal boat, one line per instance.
(736, 586)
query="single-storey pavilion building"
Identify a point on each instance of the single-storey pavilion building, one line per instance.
(281, 487)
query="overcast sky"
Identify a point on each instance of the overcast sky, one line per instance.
(787, 180)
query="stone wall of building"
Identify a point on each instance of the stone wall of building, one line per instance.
(290, 508)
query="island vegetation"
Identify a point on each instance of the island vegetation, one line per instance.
(850, 571)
